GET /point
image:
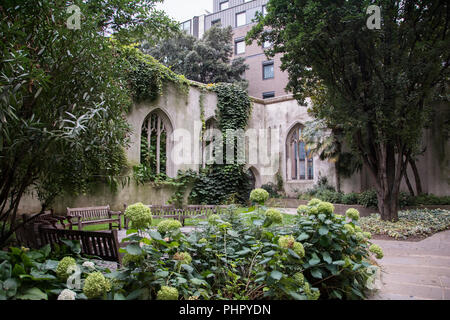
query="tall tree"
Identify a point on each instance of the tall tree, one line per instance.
(63, 96)
(379, 81)
(206, 60)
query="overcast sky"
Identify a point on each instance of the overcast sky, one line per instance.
(182, 10)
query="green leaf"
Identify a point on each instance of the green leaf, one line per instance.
(326, 257)
(323, 230)
(293, 254)
(302, 237)
(314, 260)
(10, 287)
(339, 262)
(134, 249)
(187, 267)
(18, 270)
(270, 253)
(135, 294)
(119, 296)
(316, 273)
(277, 275)
(161, 274)
(33, 294)
(155, 235)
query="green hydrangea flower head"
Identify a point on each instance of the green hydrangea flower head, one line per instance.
(368, 235)
(314, 202)
(360, 236)
(349, 228)
(286, 242)
(212, 219)
(63, 267)
(376, 249)
(128, 259)
(299, 249)
(358, 229)
(325, 208)
(352, 214)
(167, 293)
(202, 240)
(274, 216)
(259, 196)
(168, 225)
(301, 210)
(299, 278)
(311, 294)
(339, 216)
(96, 285)
(183, 257)
(139, 215)
(314, 211)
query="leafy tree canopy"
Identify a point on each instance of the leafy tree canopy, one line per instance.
(63, 95)
(378, 83)
(207, 60)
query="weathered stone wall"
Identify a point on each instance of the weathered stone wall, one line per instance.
(282, 113)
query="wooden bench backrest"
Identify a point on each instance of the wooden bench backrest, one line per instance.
(101, 244)
(91, 213)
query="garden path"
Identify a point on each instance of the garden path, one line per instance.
(415, 270)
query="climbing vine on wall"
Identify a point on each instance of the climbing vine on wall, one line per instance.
(225, 183)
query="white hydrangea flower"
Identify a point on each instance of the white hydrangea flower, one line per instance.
(67, 294)
(89, 264)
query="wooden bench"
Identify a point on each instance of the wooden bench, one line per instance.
(101, 244)
(93, 215)
(28, 235)
(171, 212)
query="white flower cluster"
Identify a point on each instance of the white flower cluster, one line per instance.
(67, 294)
(89, 265)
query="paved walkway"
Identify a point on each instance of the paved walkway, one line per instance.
(415, 270)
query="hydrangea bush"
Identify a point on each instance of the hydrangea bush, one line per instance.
(239, 256)
(259, 196)
(139, 215)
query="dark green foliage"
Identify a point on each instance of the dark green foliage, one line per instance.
(368, 199)
(64, 94)
(31, 274)
(376, 86)
(206, 60)
(272, 189)
(350, 198)
(226, 183)
(235, 258)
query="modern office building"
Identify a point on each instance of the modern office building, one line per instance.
(266, 80)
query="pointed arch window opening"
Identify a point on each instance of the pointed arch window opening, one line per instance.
(154, 144)
(299, 158)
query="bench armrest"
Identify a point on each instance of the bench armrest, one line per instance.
(115, 213)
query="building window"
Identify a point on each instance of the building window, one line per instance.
(268, 95)
(216, 22)
(268, 70)
(186, 27)
(240, 19)
(247, 1)
(299, 160)
(224, 5)
(264, 11)
(239, 47)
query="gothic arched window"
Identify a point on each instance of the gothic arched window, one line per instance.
(155, 143)
(299, 161)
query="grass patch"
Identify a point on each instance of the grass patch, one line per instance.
(412, 223)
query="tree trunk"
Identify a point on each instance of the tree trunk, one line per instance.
(390, 174)
(338, 176)
(416, 176)
(408, 183)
